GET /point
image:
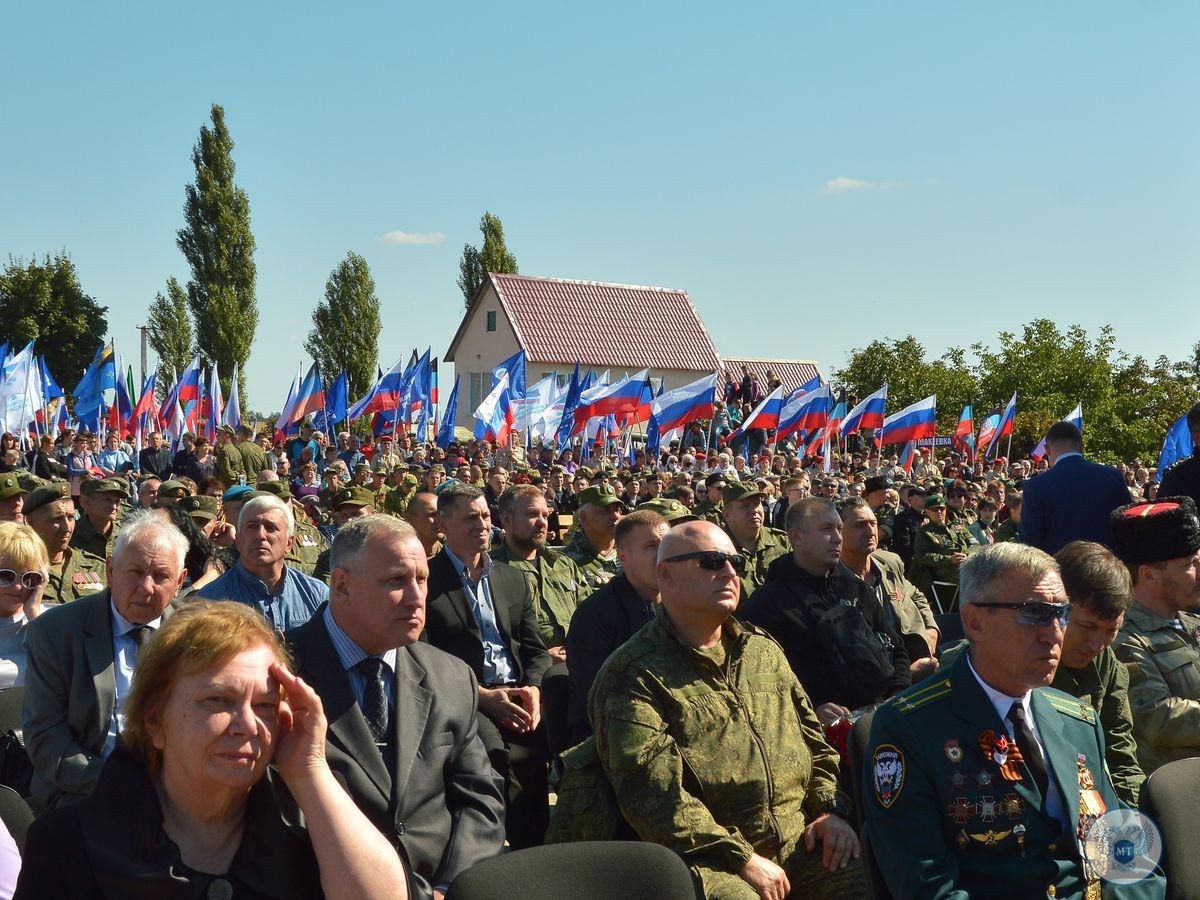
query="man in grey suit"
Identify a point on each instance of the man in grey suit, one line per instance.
(81, 657)
(403, 723)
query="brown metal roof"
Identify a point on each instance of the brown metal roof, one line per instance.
(605, 325)
(792, 372)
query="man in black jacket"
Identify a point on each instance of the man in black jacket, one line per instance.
(834, 632)
(156, 459)
(615, 612)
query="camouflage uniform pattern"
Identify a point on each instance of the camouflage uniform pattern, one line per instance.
(306, 546)
(254, 460)
(80, 573)
(229, 467)
(86, 537)
(593, 569)
(932, 549)
(771, 544)
(717, 761)
(554, 581)
(1164, 684)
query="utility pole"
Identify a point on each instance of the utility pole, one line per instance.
(142, 329)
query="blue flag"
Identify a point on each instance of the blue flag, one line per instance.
(337, 404)
(445, 434)
(1176, 446)
(567, 424)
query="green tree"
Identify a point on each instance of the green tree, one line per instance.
(44, 302)
(219, 247)
(169, 331)
(492, 256)
(346, 326)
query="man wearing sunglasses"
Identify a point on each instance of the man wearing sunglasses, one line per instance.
(712, 747)
(980, 780)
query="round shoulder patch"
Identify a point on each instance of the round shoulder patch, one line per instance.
(888, 770)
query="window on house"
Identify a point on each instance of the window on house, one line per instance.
(491, 320)
(477, 392)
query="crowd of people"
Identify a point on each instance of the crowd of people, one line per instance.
(359, 666)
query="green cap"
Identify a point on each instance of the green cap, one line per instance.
(353, 496)
(104, 486)
(174, 488)
(278, 488)
(740, 490)
(10, 486)
(410, 480)
(599, 495)
(200, 507)
(226, 429)
(49, 493)
(670, 509)
(437, 467)
(934, 501)
(28, 481)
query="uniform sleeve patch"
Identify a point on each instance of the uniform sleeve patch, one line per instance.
(887, 774)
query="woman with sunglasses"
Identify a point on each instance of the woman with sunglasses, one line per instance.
(23, 563)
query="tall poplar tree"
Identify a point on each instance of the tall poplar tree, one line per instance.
(219, 247)
(491, 256)
(346, 326)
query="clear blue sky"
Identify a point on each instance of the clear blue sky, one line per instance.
(815, 175)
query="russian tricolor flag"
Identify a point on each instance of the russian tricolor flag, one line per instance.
(612, 399)
(805, 411)
(907, 457)
(1075, 417)
(384, 395)
(1005, 425)
(964, 433)
(497, 413)
(912, 423)
(869, 413)
(765, 415)
(676, 408)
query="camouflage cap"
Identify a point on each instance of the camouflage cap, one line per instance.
(174, 488)
(437, 467)
(599, 495)
(410, 480)
(353, 496)
(670, 509)
(740, 490)
(49, 493)
(279, 488)
(10, 486)
(200, 507)
(104, 486)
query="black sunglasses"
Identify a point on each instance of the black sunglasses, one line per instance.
(30, 579)
(1036, 612)
(713, 560)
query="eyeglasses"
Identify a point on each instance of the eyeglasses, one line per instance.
(30, 580)
(1036, 612)
(713, 560)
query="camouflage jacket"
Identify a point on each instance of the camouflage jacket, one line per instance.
(555, 583)
(79, 574)
(714, 761)
(593, 568)
(86, 537)
(772, 544)
(1164, 684)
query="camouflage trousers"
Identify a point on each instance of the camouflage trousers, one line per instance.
(809, 879)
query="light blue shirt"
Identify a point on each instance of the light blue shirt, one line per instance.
(124, 656)
(112, 460)
(498, 665)
(294, 602)
(350, 655)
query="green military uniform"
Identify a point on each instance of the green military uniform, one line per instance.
(933, 547)
(229, 466)
(1164, 684)
(86, 537)
(952, 812)
(396, 501)
(307, 542)
(710, 512)
(770, 545)
(717, 754)
(321, 568)
(594, 569)
(1008, 530)
(555, 582)
(885, 517)
(78, 574)
(254, 460)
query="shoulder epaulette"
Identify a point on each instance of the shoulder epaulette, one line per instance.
(1070, 706)
(912, 700)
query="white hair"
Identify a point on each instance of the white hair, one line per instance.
(148, 521)
(255, 505)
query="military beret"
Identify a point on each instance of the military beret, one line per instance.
(1151, 532)
(738, 490)
(353, 496)
(104, 486)
(599, 495)
(278, 488)
(714, 479)
(48, 493)
(200, 507)
(876, 483)
(237, 493)
(10, 486)
(29, 481)
(670, 509)
(935, 501)
(173, 488)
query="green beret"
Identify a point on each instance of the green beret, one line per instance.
(49, 493)
(105, 486)
(935, 501)
(670, 509)
(599, 495)
(10, 486)
(200, 507)
(353, 496)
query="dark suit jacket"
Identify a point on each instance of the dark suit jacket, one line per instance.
(442, 800)
(70, 698)
(450, 623)
(1071, 502)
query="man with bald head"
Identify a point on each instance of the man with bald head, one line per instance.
(712, 746)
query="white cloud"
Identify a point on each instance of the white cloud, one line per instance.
(412, 237)
(842, 184)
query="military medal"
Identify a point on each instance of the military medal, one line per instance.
(1000, 750)
(953, 752)
(1003, 752)
(961, 809)
(1091, 804)
(988, 809)
(1013, 806)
